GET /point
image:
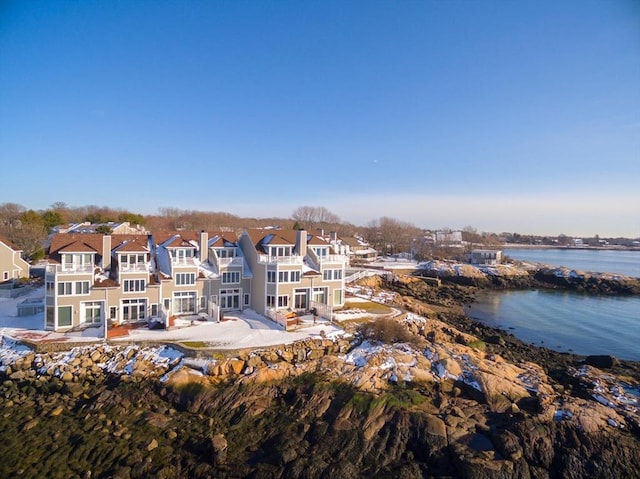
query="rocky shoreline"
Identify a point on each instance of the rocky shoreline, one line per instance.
(427, 393)
(522, 275)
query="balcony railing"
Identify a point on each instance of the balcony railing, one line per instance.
(134, 267)
(69, 268)
(331, 258)
(263, 258)
(189, 261)
(235, 261)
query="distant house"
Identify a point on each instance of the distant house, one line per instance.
(359, 250)
(485, 256)
(123, 228)
(12, 266)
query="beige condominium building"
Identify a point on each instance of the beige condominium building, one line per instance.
(96, 278)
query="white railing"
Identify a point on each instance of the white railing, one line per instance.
(235, 261)
(134, 267)
(323, 310)
(359, 275)
(275, 315)
(332, 258)
(69, 268)
(263, 258)
(187, 261)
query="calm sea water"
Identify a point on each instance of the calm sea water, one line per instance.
(602, 261)
(569, 321)
(565, 321)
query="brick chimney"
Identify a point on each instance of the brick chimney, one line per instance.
(301, 242)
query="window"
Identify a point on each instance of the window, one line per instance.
(154, 309)
(337, 296)
(246, 299)
(134, 309)
(50, 288)
(320, 252)
(295, 276)
(5, 275)
(185, 278)
(230, 298)
(283, 276)
(82, 287)
(93, 312)
(271, 276)
(134, 285)
(320, 295)
(271, 301)
(65, 288)
(332, 274)
(51, 320)
(184, 302)
(283, 301)
(230, 277)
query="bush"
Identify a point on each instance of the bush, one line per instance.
(387, 331)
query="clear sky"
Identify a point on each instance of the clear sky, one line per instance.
(505, 116)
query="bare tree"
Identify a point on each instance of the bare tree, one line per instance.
(313, 217)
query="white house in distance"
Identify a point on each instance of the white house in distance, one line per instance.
(485, 256)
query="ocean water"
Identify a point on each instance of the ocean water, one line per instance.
(623, 262)
(565, 321)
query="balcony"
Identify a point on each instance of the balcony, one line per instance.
(134, 268)
(225, 262)
(57, 269)
(331, 258)
(265, 259)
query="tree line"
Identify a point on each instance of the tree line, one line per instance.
(28, 229)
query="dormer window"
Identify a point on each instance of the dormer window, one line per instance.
(226, 252)
(280, 251)
(321, 252)
(132, 259)
(182, 253)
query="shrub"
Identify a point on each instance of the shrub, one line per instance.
(387, 331)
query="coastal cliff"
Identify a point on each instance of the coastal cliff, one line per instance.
(425, 393)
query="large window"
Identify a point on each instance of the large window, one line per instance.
(280, 250)
(184, 302)
(185, 278)
(271, 276)
(271, 301)
(134, 309)
(283, 276)
(283, 301)
(320, 295)
(230, 298)
(229, 277)
(134, 285)
(295, 276)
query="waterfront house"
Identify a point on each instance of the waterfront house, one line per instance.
(293, 271)
(485, 256)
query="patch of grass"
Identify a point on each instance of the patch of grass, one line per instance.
(477, 344)
(368, 306)
(195, 344)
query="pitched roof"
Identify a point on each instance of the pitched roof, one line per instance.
(87, 242)
(9, 243)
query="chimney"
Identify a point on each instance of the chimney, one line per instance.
(204, 246)
(301, 242)
(106, 252)
(334, 236)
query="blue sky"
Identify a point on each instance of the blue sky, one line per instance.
(505, 116)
